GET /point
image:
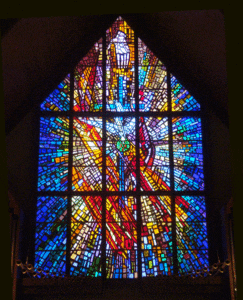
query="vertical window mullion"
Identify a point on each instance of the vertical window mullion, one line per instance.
(172, 185)
(70, 165)
(139, 225)
(103, 247)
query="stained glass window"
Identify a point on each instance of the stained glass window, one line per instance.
(120, 167)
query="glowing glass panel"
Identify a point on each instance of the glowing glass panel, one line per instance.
(87, 154)
(191, 233)
(53, 154)
(154, 153)
(152, 81)
(88, 82)
(52, 261)
(120, 154)
(59, 99)
(181, 99)
(188, 156)
(86, 236)
(51, 234)
(120, 69)
(156, 236)
(121, 237)
(191, 260)
(116, 138)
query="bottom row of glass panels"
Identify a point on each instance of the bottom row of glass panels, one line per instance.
(121, 242)
(121, 264)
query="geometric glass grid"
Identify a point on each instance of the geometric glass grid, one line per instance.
(52, 261)
(51, 209)
(111, 155)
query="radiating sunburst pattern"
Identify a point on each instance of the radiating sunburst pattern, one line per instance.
(147, 158)
(53, 154)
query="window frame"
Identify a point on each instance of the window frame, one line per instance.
(137, 114)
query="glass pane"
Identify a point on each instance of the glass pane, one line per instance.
(87, 154)
(190, 209)
(51, 209)
(152, 76)
(85, 263)
(152, 79)
(188, 153)
(121, 264)
(187, 128)
(154, 153)
(52, 261)
(121, 237)
(156, 235)
(154, 210)
(181, 99)
(87, 209)
(157, 262)
(191, 260)
(192, 235)
(120, 31)
(86, 237)
(120, 91)
(88, 81)
(53, 154)
(59, 99)
(121, 209)
(120, 154)
(121, 226)
(50, 236)
(153, 100)
(120, 70)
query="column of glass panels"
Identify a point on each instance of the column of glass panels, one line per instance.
(121, 211)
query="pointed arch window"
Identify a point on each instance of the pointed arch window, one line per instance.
(120, 167)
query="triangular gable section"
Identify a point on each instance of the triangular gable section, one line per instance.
(120, 79)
